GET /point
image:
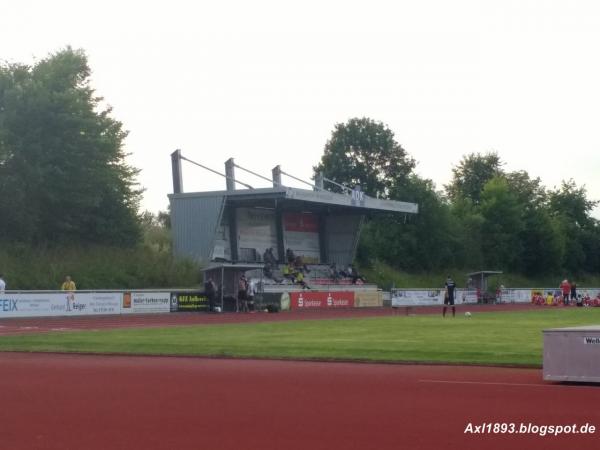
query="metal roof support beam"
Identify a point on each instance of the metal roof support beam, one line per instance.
(319, 185)
(177, 175)
(345, 189)
(279, 231)
(323, 244)
(233, 233)
(230, 174)
(316, 188)
(276, 176)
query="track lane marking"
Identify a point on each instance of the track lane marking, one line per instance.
(495, 383)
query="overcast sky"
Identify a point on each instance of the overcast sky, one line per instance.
(266, 81)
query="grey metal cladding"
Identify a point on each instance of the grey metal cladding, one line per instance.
(194, 222)
(341, 235)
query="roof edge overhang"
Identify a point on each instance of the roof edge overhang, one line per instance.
(328, 198)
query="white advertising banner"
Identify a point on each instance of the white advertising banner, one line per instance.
(425, 297)
(59, 304)
(516, 295)
(256, 229)
(146, 302)
(403, 297)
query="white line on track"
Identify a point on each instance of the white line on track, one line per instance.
(492, 383)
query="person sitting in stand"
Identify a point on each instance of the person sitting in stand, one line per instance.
(333, 273)
(355, 276)
(289, 255)
(269, 257)
(287, 272)
(299, 279)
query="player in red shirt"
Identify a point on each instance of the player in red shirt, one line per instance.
(566, 291)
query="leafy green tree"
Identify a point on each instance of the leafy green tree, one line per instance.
(571, 209)
(63, 174)
(468, 233)
(501, 211)
(571, 203)
(364, 152)
(542, 243)
(471, 174)
(421, 242)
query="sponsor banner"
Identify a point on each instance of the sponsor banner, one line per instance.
(59, 304)
(321, 300)
(368, 299)
(423, 297)
(256, 230)
(146, 302)
(301, 234)
(189, 301)
(427, 297)
(465, 296)
(516, 295)
(301, 222)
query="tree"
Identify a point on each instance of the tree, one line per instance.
(364, 152)
(571, 203)
(421, 242)
(501, 211)
(471, 175)
(571, 210)
(63, 175)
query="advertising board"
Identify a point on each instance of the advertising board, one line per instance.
(146, 302)
(321, 299)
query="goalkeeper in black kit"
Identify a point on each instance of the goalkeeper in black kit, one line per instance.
(449, 296)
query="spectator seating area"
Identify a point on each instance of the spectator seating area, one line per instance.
(313, 275)
(555, 299)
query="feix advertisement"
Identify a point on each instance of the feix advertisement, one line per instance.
(59, 304)
(321, 300)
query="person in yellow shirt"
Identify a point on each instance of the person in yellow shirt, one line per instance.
(68, 285)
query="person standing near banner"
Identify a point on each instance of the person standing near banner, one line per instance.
(2, 283)
(242, 294)
(68, 284)
(449, 296)
(565, 288)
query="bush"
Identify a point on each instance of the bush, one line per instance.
(95, 267)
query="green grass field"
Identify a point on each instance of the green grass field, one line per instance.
(506, 338)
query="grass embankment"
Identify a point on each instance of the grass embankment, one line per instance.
(95, 267)
(386, 277)
(511, 338)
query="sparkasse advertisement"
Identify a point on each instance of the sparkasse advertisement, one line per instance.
(322, 300)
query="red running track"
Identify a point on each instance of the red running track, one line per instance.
(80, 402)
(47, 324)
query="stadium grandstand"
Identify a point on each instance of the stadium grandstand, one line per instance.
(284, 239)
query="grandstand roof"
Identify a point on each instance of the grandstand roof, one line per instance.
(295, 195)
